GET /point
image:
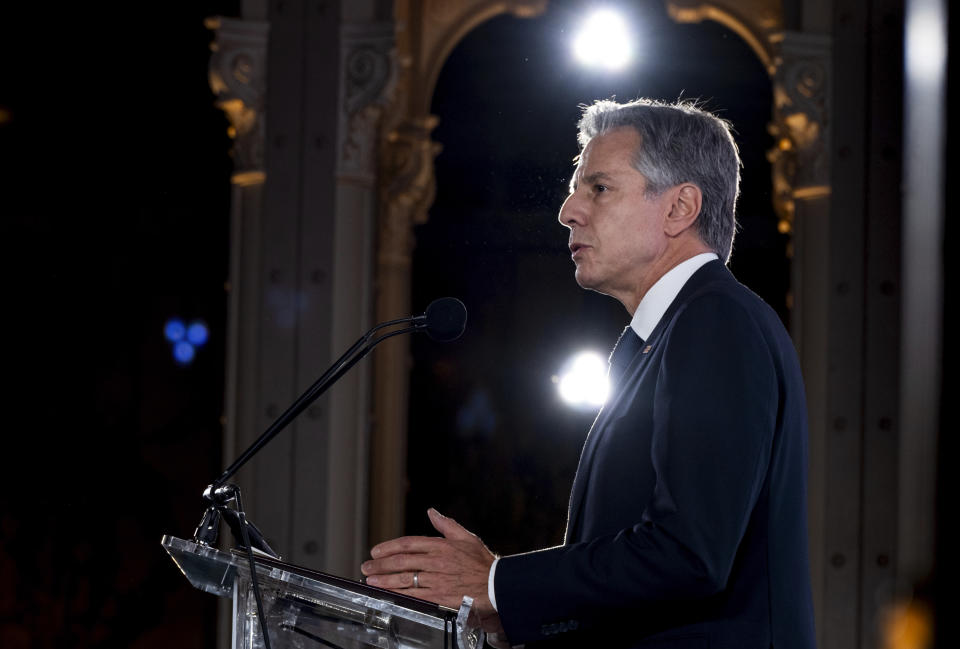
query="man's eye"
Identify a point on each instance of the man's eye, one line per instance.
(599, 188)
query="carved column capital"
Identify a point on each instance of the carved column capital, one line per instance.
(408, 186)
(368, 81)
(237, 75)
(801, 95)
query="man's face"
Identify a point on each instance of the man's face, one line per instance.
(616, 233)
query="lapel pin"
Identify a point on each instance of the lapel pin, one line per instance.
(647, 349)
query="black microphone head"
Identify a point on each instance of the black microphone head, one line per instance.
(446, 318)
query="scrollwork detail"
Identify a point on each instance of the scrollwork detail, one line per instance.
(800, 127)
(369, 79)
(237, 76)
(368, 74)
(408, 188)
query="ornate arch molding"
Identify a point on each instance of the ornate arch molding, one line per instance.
(758, 22)
(426, 33)
(443, 24)
(799, 65)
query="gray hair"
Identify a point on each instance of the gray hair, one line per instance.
(680, 143)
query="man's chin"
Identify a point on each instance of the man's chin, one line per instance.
(584, 280)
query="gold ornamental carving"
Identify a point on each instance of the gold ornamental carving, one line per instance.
(801, 99)
(428, 30)
(409, 189)
(758, 22)
(799, 65)
(368, 78)
(237, 75)
(447, 22)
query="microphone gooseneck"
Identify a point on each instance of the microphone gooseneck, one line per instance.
(444, 320)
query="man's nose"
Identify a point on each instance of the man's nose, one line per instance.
(571, 212)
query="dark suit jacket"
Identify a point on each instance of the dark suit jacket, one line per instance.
(687, 522)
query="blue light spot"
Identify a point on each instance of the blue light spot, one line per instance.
(197, 333)
(174, 330)
(183, 353)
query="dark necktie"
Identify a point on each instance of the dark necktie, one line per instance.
(623, 352)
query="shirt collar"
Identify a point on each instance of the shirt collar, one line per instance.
(655, 303)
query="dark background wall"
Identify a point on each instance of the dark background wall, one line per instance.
(114, 190)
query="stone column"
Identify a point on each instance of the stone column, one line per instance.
(368, 74)
(303, 234)
(801, 186)
(237, 74)
(427, 31)
(407, 191)
(837, 184)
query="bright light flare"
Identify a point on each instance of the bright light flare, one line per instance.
(183, 352)
(584, 384)
(604, 41)
(197, 333)
(185, 339)
(174, 330)
(926, 42)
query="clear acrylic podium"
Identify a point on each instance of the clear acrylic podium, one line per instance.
(306, 609)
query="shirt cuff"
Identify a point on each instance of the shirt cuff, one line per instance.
(490, 591)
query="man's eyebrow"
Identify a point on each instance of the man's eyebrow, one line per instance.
(597, 175)
(590, 178)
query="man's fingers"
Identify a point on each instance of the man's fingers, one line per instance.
(443, 559)
(394, 581)
(427, 586)
(440, 589)
(404, 544)
(448, 567)
(450, 528)
(394, 563)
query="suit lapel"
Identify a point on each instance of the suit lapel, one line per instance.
(582, 477)
(710, 271)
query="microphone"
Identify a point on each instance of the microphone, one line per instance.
(445, 319)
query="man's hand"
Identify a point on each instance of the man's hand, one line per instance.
(446, 568)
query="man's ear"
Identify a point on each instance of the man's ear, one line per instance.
(684, 209)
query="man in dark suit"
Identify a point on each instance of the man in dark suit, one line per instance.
(687, 521)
